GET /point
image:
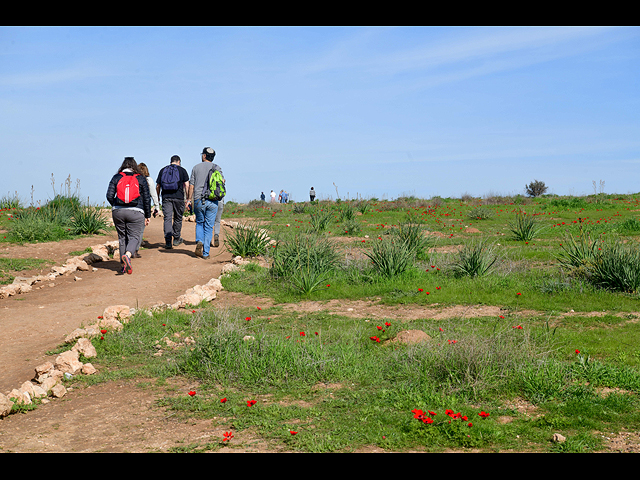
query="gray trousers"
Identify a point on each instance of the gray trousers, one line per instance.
(173, 210)
(216, 227)
(129, 225)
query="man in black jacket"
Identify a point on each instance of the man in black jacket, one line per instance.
(128, 193)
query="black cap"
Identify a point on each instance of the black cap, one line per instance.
(209, 152)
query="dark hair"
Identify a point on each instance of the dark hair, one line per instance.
(175, 159)
(129, 162)
(143, 169)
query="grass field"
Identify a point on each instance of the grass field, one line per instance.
(562, 356)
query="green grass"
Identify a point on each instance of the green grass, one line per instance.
(10, 266)
(341, 390)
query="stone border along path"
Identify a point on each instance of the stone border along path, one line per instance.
(48, 376)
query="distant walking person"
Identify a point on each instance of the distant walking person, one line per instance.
(128, 193)
(173, 181)
(312, 194)
(262, 197)
(204, 208)
(154, 200)
(273, 196)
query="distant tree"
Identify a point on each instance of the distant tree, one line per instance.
(535, 188)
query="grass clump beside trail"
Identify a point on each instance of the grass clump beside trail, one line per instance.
(60, 218)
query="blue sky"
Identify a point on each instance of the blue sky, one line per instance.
(379, 112)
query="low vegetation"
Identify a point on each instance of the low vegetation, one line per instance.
(558, 354)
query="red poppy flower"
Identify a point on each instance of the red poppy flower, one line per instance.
(193, 311)
(302, 334)
(379, 328)
(426, 293)
(100, 317)
(292, 432)
(328, 285)
(251, 403)
(433, 414)
(470, 424)
(227, 436)
(248, 318)
(577, 351)
(420, 290)
(223, 400)
(518, 293)
(375, 339)
(483, 414)
(259, 308)
(103, 331)
(316, 333)
(192, 393)
(441, 329)
(387, 324)
(164, 324)
(427, 420)
(101, 338)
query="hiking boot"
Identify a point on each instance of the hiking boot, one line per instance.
(178, 241)
(199, 248)
(205, 257)
(216, 241)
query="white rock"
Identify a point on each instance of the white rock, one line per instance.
(59, 391)
(5, 405)
(88, 369)
(67, 362)
(85, 347)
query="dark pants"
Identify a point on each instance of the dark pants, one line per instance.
(129, 225)
(172, 209)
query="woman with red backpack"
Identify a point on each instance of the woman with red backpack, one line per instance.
(128, 193)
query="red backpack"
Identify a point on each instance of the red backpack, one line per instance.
(128, 188)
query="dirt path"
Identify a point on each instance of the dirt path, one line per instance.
(35, 322)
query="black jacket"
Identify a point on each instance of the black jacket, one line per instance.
(143, 201)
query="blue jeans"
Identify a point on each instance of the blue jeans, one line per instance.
(206, 211)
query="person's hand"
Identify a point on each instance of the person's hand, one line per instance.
(146, 222)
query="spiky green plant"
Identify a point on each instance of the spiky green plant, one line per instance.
(475, 259)
(525, 227)
(247, 240)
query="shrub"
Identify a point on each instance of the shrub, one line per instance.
(475, 259)
(319, 220)
(88, 220)
(351, 227)
(347, 212)
(630, 225)
(480, 213)
(299, 208)
(535, 188)
(306, 252)
(411, 234)
(617, 267)
(525, 227)
(247, 241)
(390, 257)
(10, 202)
(578, 255)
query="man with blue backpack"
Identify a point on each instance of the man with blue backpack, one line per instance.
(206, 189)
(173, 182)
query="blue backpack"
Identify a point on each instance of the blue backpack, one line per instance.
(170, 178)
